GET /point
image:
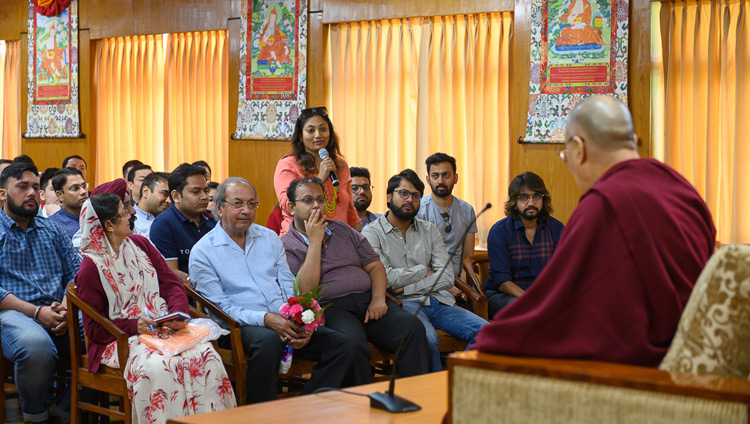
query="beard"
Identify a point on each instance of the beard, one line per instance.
(401, 214)
(21, 210)
(529, 213)
(362, 205)
(441, 190)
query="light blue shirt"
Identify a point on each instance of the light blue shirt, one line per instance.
(143, 221)
(244, 284)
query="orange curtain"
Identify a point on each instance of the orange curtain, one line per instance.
(400, 90)
(10, 106)
(197, 100)
(700, 69)
(129, 87)
(161, 99)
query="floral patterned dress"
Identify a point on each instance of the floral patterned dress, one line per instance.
(159, 387)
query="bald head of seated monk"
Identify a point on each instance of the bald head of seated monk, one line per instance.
(598, 135)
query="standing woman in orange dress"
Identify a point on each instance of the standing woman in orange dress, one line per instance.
(312, 132)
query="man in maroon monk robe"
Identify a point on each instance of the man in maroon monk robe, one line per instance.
(626, 262)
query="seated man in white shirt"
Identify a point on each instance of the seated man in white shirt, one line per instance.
(155, 199)
(242, 268)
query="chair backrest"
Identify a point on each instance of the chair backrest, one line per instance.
(477, 267)
(713, 335)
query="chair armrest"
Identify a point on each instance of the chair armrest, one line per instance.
(207, 304)
(75, 304)
(471, 276)
(476, 302)
(389, 296)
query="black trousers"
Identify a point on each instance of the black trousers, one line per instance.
(347, 315)
(263, 348)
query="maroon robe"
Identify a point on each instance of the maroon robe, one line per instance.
(616, 286)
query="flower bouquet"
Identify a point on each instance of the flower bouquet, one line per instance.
(304, 310)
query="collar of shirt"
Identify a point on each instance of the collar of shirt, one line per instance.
(327, 231)
(388, 227)
(140, 213)
(183, 219)
(518, 224)
(223, 239)
(9, 223)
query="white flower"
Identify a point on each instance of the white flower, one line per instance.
(308, 316)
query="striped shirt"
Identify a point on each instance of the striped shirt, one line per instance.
(67, 221)
(36, 264)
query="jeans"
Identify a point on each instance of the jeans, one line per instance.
(34, 351)
(497, 300)
(454, 320)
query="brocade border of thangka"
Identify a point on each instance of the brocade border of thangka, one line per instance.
(53, 118)
(271, 119)
(549, 106)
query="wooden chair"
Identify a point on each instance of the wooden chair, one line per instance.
(107, 380)
(8, 389)
(234, 357)
(477, 267)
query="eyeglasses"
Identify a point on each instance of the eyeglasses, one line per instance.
(406, 194)
(238, 204)
(123, 214)
(524, 198)
(320, 110)
(309, 200)
(563, 154)
(365, 187)
(76, 188)
(447, 220)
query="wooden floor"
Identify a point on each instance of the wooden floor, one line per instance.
(429, 391)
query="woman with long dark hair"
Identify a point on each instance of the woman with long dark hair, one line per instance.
(313, 132)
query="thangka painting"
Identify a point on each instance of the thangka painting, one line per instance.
(578, 48)
(273, 68)
(53, 70)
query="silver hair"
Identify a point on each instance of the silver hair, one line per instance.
(221, 191)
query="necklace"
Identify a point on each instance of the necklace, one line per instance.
(331, 202)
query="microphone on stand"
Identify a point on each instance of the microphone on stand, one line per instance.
(388, 400)
(323, 153)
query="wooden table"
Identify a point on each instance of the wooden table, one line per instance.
(430, 391)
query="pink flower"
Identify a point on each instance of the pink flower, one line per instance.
(311, 327)
(284, 311)
(295, 309)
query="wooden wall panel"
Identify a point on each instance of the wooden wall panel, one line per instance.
(366, 10)
(113, 18)
(13, 18)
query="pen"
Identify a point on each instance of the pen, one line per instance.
(150, 325)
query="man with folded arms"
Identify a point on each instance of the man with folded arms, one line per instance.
(37, 261)
(333, 254)
(417, 264)
(623, 270)
(242, 268)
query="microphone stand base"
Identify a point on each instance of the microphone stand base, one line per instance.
(392, 403)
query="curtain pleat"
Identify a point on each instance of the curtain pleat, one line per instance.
(10, 106)
(162, 100)
(700, 103)
(400, 90)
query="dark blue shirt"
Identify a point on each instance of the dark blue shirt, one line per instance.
(174, 235)
(512, 257)
(67, 221)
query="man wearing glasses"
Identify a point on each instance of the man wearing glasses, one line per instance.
(450, 214)
(624, 268)
(242, 268)
(414, 256)
(362, 192)
(520, 245)
(72, 191)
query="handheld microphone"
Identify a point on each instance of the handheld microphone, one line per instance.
(388, 401)
(323, 153)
